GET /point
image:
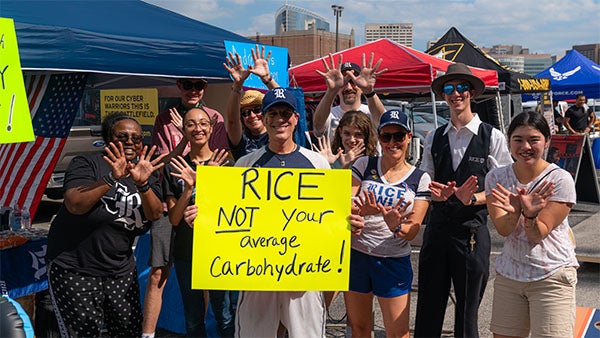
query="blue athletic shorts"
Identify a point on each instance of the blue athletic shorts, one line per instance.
(384, 276)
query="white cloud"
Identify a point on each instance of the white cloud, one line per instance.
(550, 26)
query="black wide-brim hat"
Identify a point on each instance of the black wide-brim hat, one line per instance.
(458, 71)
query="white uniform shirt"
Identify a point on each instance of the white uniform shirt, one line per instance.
(459, 141)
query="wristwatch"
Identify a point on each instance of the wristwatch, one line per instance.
(473, 200)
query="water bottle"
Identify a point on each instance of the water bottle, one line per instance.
(25, 218)
(16, 218)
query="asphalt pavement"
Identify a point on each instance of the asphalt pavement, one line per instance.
(584, 220)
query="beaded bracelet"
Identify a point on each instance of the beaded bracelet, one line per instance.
(529, 218)
(268, 80)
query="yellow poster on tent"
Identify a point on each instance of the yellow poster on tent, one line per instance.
(271, 229)
(15, 118)
(139, 103)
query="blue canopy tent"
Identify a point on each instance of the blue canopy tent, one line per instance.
(571, 75)
(112, 44)
(123, 38)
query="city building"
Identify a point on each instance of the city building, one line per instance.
(591, 51)
(431, 43)
(518, 58)
(398, 32)
(305, 34)
(304, 46)
(293, 18)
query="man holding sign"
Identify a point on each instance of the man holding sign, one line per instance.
(301, 312)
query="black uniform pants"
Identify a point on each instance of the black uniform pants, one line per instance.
(446, 259)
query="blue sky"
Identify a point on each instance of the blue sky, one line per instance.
(549, 26)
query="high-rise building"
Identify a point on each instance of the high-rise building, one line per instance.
(399, 32)
(290, 18)
(305, 34)
(591, 51)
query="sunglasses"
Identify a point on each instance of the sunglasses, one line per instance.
(187, 85)
(461, 88)
(247, 112)
(387, 137)
(124, 137)
(285, 114)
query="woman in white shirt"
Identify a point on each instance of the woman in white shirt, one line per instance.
(529, 201)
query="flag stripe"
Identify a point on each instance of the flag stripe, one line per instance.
(27, 167)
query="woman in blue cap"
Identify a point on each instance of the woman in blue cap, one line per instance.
(394, 200)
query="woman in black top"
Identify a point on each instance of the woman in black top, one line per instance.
(180, 183)
(110, 198)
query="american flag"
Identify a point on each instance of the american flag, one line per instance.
(26, 167)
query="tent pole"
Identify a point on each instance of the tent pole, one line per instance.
(499, 105)
(434, 108)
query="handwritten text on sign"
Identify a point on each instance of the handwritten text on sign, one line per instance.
(15, 118)
(271, 229)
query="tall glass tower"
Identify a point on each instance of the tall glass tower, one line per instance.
(292, 18)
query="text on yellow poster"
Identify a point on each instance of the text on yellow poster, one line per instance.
(271, 229)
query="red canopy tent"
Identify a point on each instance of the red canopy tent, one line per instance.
(409, 71)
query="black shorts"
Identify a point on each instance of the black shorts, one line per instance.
(161, 242)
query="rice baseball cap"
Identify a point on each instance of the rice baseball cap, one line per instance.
(278, 96)
(396, 117)
(251, 98)
(350, 66)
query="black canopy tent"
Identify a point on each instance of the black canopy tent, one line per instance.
(456, 47)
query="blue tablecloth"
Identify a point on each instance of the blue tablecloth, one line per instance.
(23, 268)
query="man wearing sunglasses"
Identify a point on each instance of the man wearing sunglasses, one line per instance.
(348, 82)
(302, 313)
(456, 243)
(167, 135)
(246, 131)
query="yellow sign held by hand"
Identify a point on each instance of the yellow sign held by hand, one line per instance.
(15, 119)
(271, 229)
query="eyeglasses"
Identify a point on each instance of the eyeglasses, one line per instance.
(387, 137)
(285, 114)
(203, 124)
(247, 112)
(124, 137)
(461, 88)
(187, 85)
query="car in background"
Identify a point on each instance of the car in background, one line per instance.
(86, 134)
(423, 122)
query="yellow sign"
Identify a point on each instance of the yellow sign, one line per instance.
(271, 229)
(15, 118)
(141, 104)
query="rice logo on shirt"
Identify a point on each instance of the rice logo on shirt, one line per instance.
(126, 206)
(387, 195)
(479, 160)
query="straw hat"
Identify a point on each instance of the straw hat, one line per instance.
(251, 98)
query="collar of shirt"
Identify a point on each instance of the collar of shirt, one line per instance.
(472, 126)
